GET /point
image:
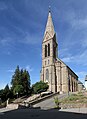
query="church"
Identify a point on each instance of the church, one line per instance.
(55, 72)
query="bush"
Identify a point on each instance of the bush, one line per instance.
(56, 100)
(39, 87)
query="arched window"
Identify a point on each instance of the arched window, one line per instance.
(45, 50)
(48, 49)
(47, 74)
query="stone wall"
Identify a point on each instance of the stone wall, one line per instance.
(73, 105)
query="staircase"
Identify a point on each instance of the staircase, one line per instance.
(48, 102)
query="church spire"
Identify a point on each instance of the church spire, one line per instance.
(49, 25)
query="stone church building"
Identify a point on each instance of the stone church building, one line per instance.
(55, 72)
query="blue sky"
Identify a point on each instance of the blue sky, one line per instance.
(22, 25)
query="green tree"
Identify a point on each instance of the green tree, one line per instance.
(25, 78)
(18, 89)
(16, 79)
(20, 82)
(4, 93)
(1, 94)
(39, 87)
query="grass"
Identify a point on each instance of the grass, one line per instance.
(75, 98)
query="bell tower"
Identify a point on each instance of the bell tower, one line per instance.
(49, 55)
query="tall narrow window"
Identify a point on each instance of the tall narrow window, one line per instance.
(47, 74)
(48, 49)
(54, 52)
(48, 61)
(45, 50)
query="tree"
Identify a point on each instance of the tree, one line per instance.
(39, 87)
(25, 77)
(4, 93)
(16, 79)
(20, 82)
(18, 89)
(1, 94)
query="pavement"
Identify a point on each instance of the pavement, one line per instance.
(49, 103)
(40, 114)
(2, 110)
(75, 110)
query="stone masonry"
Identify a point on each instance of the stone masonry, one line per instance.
(55, 72)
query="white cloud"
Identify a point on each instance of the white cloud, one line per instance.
(7, 44)
(67, 59)
(79, 23)
(83, 58)
(75, 39)
(63, 52)
(29, 68)
(30, 39)
(77, 59)
(10, 71)
(75, 19)
(2, 85)
(6, 41)
(82, 75)
(76, 32)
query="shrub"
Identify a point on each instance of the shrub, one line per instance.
(39, 87)
(56, 100)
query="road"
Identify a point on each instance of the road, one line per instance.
(41, 114)
(49, 103)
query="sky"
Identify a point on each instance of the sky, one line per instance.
(22, 26)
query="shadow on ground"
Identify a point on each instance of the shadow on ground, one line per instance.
(41, 114)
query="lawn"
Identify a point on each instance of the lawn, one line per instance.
(78, 100)
(75, 98)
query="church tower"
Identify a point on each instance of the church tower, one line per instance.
(55, 72)
(49, 55)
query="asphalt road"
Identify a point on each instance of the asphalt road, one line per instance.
(49, 103)
(41, 114)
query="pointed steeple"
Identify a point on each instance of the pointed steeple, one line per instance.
(49, 25)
